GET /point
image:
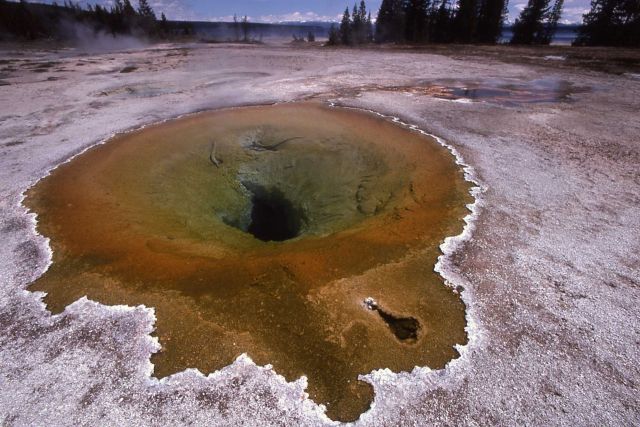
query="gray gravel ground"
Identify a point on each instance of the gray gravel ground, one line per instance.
(551, 275)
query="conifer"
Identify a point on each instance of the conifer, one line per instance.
(345, 28)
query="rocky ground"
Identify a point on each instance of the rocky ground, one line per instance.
(551, 275)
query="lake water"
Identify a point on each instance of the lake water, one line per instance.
(562, 37)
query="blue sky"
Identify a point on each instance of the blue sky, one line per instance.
(298, 10)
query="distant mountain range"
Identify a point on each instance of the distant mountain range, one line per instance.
(256, 30)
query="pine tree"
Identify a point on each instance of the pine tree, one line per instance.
(529, 27)
(384, 21)
(345, 28)
(117, 6)
(416, 20)
(163, 25)
(632, 30)
(145, 10)
(399, 20)
(101, 16)
(465, 21)
(24, 20)
(369, 27)
(599, 24)
(356, 25)
(334, 36)
(4, 18)
(390, 25)
(146, 19)
(20, 22)
(363, 11)
(552, 22)
(124, 17)
(490, 20)
(127, 9)
(611, 23)
(442, 21)
(361, 24)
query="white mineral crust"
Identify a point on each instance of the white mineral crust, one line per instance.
(550, 277)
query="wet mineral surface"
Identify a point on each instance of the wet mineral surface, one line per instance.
(302, 235)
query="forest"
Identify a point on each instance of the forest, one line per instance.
(608, 23)
(31, 21)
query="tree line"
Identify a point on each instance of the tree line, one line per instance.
(610, 22)
(355, 27)
(423, 21)
(33, 21)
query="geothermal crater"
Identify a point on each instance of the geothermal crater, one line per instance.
(302, 235)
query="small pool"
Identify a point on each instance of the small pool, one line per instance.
(264, 230)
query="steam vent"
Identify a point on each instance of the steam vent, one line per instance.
(302, 235)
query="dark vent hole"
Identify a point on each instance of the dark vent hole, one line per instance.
(273, 216)
(404, 328)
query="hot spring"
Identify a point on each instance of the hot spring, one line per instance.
(300, 234)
